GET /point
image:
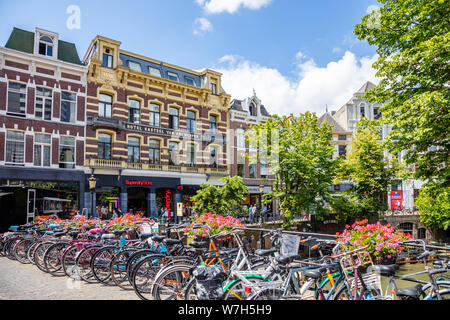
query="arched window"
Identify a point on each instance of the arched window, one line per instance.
(134, 111)
(104, 146)
(173, 118)
(154, 115)
(105, 106)
(154, 152)
(133, 150)
(191, 121)
(252, 110)
(46, 46)
(173, 154)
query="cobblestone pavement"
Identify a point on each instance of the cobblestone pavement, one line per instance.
(27, 282)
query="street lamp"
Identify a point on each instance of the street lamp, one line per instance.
(92, 182)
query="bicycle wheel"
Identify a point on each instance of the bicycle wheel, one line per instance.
(9, 246)
(270, 294)
(101, 264)
(52, 259)
(68, 261)
(30, 252)
(83, 264)
(39, 253)
(238, 289)
(118, 269)
(144, 273)
(20, 250)
(428, 294)
(170, 284)
(134, 259)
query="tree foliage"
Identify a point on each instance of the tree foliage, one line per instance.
(413, 43)
(434, 206)
(222, 200)
(300, 156)
(369, 171)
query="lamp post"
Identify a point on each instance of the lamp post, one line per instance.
(261, 191)
(92, 182)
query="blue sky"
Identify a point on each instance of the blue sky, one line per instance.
(303, 51)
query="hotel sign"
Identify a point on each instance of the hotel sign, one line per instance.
(162, 131)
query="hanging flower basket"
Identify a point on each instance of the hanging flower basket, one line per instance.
(382, 240)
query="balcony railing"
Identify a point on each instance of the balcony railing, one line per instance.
(118, 164)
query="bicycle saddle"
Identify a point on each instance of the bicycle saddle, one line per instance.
(145, 236)
(264, 253)
(314, 274)
(171, 242)
(386, 270)
(158, 238)
(413, 292)
(198, 244)
(108, 236)
(286, 259)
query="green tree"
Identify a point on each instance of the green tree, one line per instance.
(413, 45)
(222, 200)
(369, 171)
(299, 154)
(434, 206)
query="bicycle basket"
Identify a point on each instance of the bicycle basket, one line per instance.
(289, 244)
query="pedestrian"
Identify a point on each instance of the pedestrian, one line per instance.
(250, 218)
(115, 215)
(264, 212)
(253, 212)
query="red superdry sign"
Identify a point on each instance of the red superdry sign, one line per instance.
(138, 183)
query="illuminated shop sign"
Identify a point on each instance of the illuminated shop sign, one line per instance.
(162, 131)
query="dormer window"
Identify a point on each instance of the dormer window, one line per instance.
(252, 110)
(46, 46)
(107, 59)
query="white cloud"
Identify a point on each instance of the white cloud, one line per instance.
(314, 88)
(202, 26)
(231, 6)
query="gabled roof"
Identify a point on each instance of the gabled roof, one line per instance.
(22, 40)
(366, 87)
(236, 105)
(336, 127)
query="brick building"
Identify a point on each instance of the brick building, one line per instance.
(42, 125)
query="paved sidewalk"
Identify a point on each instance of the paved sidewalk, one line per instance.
(27, 282)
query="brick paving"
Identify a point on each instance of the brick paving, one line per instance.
(27, 282)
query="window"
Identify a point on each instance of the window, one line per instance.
(154, 115)
(213, 160)
(191, 121)
(240, 138)
(43, 106)
(342, 151)
(155, 152)
(191, 155)
(17, 97)
(421, 233)
(212, 123)
(362, 111)
(252, 110)
(134, 66)
(105, 106)
(263, 168)
(68, 107)
(15, 147)
(214, 88)
(46, 46)
(173, 118)
(189, 81)
(241, 170)
(67, 152)
(342, 137)
(173, 154)
(154, 71)
(252, 171)
(134, 111)
(172, 76)
(407, 227)
(134, 150)
(42, 145)
(104, 146)
(107, 59)
(376, 113)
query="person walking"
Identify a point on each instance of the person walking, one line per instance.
(264, 213)
(254, 209)
(250, 218)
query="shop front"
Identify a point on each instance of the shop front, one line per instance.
(27, 193)
(148, 196)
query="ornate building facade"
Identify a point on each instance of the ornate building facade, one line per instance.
(42, 125)
(155, 131)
